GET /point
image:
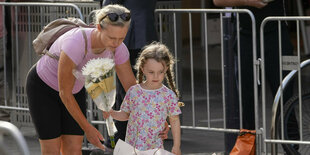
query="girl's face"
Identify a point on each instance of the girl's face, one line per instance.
(112, 36)
(154, 72)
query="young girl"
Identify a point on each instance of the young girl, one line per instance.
(148, 103)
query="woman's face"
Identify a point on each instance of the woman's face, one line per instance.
(112, 36)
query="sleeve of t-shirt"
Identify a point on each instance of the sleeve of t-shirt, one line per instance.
(74, 47)
(173, 108)
(121, 54)
(126, 102)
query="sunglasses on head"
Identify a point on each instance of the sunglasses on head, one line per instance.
(114, 17)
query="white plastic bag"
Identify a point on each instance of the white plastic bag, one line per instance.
(122, 148)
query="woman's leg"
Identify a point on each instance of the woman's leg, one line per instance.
(72, 134)
(71, 144)
(45, 113)
(50, 146)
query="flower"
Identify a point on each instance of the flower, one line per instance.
(97, 69)
(99, 76)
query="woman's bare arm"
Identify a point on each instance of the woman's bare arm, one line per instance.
(232, 3)
(125, 75)
(66, 82)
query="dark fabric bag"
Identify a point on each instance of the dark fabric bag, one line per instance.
(54, 30)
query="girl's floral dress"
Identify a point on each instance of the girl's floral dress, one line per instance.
(148, 113)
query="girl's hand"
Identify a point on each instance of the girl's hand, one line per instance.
(176, 150)
(164, 134)
(105, 114)
(112, 113)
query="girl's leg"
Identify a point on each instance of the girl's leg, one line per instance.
(71, 144)
(50, 146)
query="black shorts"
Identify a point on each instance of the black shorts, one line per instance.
(49, 115)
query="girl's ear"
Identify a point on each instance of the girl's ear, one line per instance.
(142, 69)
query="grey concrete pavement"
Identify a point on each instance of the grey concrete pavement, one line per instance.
(193, 142)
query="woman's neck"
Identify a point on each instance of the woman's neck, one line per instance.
(96, 46)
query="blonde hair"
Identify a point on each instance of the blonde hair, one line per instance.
(112, 8)
(160, 53)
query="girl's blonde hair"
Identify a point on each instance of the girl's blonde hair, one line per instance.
(112, 8)
(160, 53)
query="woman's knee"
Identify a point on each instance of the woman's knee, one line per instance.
(50, 147)
(71, 144)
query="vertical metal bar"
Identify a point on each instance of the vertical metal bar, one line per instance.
(29, 53)
(4, 57)
(192, 66)
(17, 58)
(175, 48)
(239, 73)
(41, 17)
(222, 67)
(263, 84)
(299, 83)
(207, 68)
(280, 76)
(13, 67)
(303, 28)
(255, 79)
(160, 28)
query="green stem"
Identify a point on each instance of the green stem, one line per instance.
(112, 142)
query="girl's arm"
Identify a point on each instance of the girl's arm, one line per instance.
(119, 115)
(176, 134)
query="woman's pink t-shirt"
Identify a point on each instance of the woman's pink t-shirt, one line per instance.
(73, 44)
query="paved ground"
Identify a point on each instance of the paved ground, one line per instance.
(193, 142)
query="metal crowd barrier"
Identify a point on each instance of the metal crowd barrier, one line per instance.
(11, 130)
(27, 20)
(171, 16)
(283, 113)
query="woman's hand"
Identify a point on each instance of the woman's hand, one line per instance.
(176, 150)
(93, 136)
(256, 3)
(164, 134)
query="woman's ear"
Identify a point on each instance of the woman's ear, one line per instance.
(98, 26)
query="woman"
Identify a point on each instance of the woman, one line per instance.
(57, 101)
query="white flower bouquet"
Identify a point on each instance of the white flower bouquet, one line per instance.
(99, 75)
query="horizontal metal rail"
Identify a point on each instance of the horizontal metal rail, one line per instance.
(44, 4)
